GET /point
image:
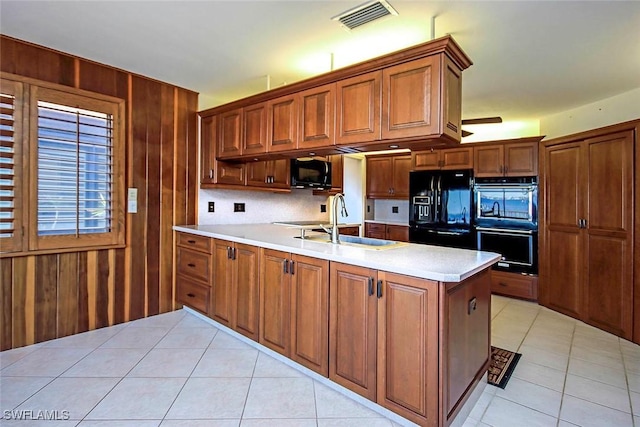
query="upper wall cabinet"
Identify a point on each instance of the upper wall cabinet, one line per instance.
(452, 158)
(507, 158)
(407, 99)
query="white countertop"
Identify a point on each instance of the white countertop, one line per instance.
(424, 261)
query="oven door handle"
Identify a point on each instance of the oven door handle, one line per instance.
(504, 230)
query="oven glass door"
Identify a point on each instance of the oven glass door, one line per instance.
(506, 203)
(516, 247)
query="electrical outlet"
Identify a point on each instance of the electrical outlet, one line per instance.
(394, 209)
(211, 207)
(238, 207)
(368, 209)
(323, 208)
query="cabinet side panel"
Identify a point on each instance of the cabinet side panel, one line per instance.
(247, 285)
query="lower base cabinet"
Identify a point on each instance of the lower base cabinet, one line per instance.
(514, 285)
(234, 290)
(294, 308)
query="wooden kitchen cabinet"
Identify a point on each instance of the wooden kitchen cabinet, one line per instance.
(507, 159)
(443, 159)
(358, 108)
(587, 228)
(193, 268)
(254, 131)
(383, 339)
(214, 172)
(388, 176)
(270, 174)
(399, 233)
(294, 307)
(230, 133)
(514, 285)
(317, 117)
(283, 123)
(235, 287)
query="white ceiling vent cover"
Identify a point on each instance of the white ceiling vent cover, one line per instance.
(365, 13)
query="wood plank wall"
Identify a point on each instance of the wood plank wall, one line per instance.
(43, 297)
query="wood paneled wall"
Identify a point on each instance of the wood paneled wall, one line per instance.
(43, 297)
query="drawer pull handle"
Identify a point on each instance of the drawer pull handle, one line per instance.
(191, 265)
(503, 284)
(190, 295)
(191, 241)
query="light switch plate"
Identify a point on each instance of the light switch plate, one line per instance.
(132, 200)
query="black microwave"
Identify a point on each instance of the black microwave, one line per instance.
(310, 173)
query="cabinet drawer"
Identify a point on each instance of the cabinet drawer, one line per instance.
(195, 265)
(514, 285)
(192, 294)
(193, 241)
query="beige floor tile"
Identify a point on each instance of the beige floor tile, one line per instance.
(633, 381)
(227, 363)
(45, 362)
(211, 398)
(588, 414)
(75, 395)
(223, 340)
(354, 422)
(9, 357)
(543, 357)
(552, 343)
(190, 321)
(138, 337)
(164, 320)
(200, 423)
(635, 403)
(279, 423)
(331, 404)
(90, 339)
(168, 362)
(504, 413)
(597, 392)
(138, 399)
(632, 363)
(280, 398)
(533, 396)
(269, 367)
(15, 390)
(119, 423)
(107, 362)
(540, 375)
(481, 405)
(28, 422)
(188, 338)
(603, 374)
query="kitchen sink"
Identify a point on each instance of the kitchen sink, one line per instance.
(363, 242)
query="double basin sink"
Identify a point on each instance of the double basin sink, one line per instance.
(363, 242)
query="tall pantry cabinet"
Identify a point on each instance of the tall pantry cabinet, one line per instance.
(587, 210)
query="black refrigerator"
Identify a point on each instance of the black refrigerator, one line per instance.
(441, 208)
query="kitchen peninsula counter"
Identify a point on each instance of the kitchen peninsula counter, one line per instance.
(423, 261)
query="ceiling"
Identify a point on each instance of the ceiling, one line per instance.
(531, 58)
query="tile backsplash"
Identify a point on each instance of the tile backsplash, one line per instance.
(260, 207)
(389, 210)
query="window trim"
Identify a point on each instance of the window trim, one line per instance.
(33, 91)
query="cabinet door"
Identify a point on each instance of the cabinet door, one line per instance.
(208, 134)
(608, 295)
(426, 160)
(358, 108)
(245, 298)
(562, 267)
(465, 344)
(280, 173)
(310, 313)
(379, 177)
(457, 158)
(230, 133)
(398, 233)
(275, 293)
(401, 169)
(254, 135)
(352, 328)
(521, 159)
(283, 124)
(488, 160)
(408, 346)
(257, 173)
(317, 119)
(411, 98)
(222, 286)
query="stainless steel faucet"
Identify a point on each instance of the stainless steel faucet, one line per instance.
(334, 232)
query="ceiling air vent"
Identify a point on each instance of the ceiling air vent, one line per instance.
(365, 13)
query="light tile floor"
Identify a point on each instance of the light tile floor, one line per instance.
(177, 370)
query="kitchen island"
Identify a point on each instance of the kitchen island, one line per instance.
(406, 326)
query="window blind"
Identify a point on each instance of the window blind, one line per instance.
(7, 166)
(75, 170)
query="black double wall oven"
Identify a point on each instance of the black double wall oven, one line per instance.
(441, 208)
(506, 221)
